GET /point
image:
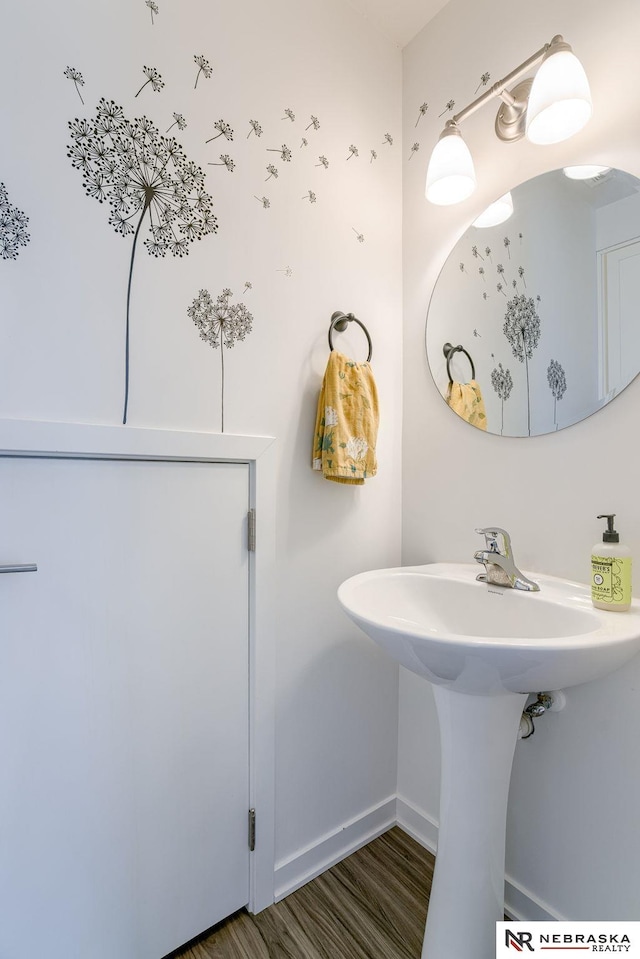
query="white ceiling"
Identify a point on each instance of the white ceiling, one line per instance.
(399, 20)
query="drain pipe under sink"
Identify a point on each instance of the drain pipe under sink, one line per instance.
(554, 701)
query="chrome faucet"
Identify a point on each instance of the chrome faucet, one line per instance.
(497, 557)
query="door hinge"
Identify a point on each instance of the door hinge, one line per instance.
(252, 830)
(251, 530)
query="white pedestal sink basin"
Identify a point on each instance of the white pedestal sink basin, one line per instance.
(484, 648)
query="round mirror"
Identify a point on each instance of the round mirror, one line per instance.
(532, 324)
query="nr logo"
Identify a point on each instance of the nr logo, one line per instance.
(518, 941)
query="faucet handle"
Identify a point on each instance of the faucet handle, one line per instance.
(491, 535)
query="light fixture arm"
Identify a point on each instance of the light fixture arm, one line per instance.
(499, 89)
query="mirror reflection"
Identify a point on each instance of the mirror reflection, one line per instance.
(532, 324)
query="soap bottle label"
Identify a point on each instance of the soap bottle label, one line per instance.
(611, 579)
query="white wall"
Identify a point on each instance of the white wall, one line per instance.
(573, 839)
(63, 298)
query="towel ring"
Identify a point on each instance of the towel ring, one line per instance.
(339, 321)
(449, 350)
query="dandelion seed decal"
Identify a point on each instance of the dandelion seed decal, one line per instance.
(272, 171)
(141, 175)
(224, 130)
(484, 79)
(500, 270)
(204, 67)
(520, 237)
(179, 121)
(502, 382)
(423, 110)
(414, 149)
(154, 78)
(557, 384)
(284, 151)
(485, 296)
(72, 74)
(481, 272)
(315, 123)
(507, 244)
(225, 161)
(388, 139)
(522, 330)
(289, 115)
(265, 202)
(247, 286)
(288, 272)
(254, 128)
(13, 227)
(353, 152)
(153, 7)
(462, 268)
(323, 162)
(514, 284)
(476, 252)
(374, 156)
(305, 143)
(310, 196)
(220, 324)
(521, 275)
(487, 251)
(449, 105)
(500, 289)
(359, 235)
(475, 333)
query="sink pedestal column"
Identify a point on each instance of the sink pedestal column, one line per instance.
(478, 735)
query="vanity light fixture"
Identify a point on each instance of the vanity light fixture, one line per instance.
(548, 108)
(496, 212)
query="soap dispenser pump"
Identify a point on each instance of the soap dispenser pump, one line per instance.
(611, 570)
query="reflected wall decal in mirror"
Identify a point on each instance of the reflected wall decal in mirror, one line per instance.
(545, 303)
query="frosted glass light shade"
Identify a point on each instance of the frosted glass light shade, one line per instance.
(584, 172)
(560, 99)
(496, 213)
(451, 177)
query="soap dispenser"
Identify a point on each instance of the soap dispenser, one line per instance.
(611, 570)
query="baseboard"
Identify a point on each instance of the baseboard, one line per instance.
(308, 863)
(520, 903)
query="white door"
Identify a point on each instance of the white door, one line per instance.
(123, 705)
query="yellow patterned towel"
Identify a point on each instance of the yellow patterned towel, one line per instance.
(344, 448)
(465, 399)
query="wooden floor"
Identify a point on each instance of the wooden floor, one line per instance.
(372, 905)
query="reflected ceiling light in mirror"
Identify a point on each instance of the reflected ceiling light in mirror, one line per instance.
(560, 99)
(450, 176)
(585, 172)
(496, 212)
(550, 110)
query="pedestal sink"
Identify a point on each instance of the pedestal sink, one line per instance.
(484, 649)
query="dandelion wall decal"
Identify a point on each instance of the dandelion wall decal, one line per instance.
(220, 324)
(484, 79)
(288, 272)
(502, 382)
(414, 149)
(13, 227)
(310, 196)
(507, 244)
(224, 130)
(323, 162)
(359, 235)
(500, 270)
(141, 174)
(374, 156)
(254, 128)
(203, 67)
(476, 252)
(353, 152)
(487, 251)
(272, 171)
(72, 74)
(265, 202)
(462, 268)
(154, 78)
(179, 121)
(557, 384)
(522, 330)
(284, 151)
(485, 296)
(388, 139)
(315, 123)
(423, 110)
(247, 286)
(449, 105)
(153, 7)
(226, 161)
(481, 272)
(521, 275)
(289, 115)
(305, 143)
(500, 289)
